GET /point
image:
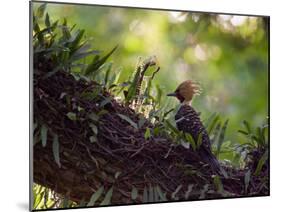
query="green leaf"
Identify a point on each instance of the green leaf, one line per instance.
(56, 149)
(247, 179)
(199, 140)
(94, 129)
(171, 127)
(78, 56)
(92, 67)
(83, 46)
(76, 40)
(260, 137)
(80, 108)
(156, 131)
(190, 139)
(218, 184)
(264, 128)
(71, 116)
(44, 131)
(97, 62)
(93, 139)
(243, 132)
(148, 89)
(107, 73)
(115, 78)
(88, 95)
(82, 203)
(247, 126)
(161, 194)
(95, 196)
(73, 26)
(105, 102)
(261, 162)
(221, 137)
(102, 112)
(141, 122)
(185, 143)
(47, 21)
(103, 59)
(65, 203)
(203, 191)
(39, 34)
(167, 113)
(208, 121)
(94, 117)
(156, 196)
(38, 193)
(126, 118)
(212, 124)
(147, 133)
(151, 194)
(134, 193)
(133, 87)
(145, 195)
(65, 30)
(216, 133)
(117, 174)
(107, 198)
(36, 28)
(159, 97)
(64, 56)
(40, 11)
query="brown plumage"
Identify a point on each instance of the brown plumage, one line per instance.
(188, 120)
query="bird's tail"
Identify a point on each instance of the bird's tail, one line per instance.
(209, 158)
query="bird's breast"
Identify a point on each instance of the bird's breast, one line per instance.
(188, 120)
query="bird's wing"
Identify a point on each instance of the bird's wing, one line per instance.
(188, 120)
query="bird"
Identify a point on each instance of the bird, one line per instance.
(188, 121)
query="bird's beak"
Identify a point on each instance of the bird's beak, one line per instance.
(172, 94)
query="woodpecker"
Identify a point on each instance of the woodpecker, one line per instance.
(188, 120)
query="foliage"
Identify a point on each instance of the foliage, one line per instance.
(64, 47)
(45, 198)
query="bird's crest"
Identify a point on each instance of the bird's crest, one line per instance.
(186, 91)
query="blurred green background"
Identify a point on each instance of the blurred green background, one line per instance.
(227, 54)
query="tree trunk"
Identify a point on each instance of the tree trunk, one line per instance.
(97, 147)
